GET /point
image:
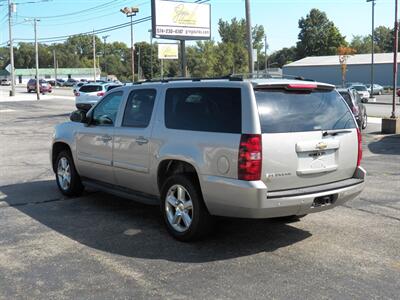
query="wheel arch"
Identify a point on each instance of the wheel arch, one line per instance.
(57, 148)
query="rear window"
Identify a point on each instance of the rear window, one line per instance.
(204, 109)
(91, 88)
(281, 111)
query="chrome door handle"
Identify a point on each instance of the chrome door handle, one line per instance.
(106, 138)
(141, 140)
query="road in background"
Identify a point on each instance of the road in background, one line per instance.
(102, 246)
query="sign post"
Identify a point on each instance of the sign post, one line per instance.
(167, 52)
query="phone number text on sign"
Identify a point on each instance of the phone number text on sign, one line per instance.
(177, 31)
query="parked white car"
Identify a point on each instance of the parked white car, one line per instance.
(89, 94)
(362, 91)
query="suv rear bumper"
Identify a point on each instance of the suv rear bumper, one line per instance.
(250, 199)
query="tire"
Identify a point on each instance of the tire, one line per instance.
(198, 222)
(65, 168)
(364, 122)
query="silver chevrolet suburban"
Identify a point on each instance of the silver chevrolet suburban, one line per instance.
(203, 148)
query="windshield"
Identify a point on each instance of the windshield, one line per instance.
(359, 88)
(282, 111)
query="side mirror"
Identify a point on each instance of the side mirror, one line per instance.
(78, 116)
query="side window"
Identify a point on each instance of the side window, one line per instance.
(106, 111)
(204, 109)
(139, 108)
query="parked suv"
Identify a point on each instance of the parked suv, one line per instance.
(44, 86)
(354, 101)
(205, 148)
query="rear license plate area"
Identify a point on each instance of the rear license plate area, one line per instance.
(324, 200)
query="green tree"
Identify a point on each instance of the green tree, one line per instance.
(282, 57)
(318, 35)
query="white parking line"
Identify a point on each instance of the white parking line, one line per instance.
(6, 110)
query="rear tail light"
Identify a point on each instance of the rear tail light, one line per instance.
(77, 94)
(101, 94)
(359, 137)
(250, 157)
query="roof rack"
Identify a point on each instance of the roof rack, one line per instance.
(174, 79)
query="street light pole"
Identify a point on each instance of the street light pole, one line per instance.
(132, 50)
(130, 12)
(249, 38)
(372, 47)
(104, 53)
(12, 71)
(395, 50)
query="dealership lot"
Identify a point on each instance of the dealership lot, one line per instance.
(100, 246)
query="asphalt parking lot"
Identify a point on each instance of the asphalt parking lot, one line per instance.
(101, 247)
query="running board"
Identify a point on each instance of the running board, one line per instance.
(121, 192)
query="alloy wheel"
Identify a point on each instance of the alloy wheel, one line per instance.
(64, 173)
(179, 208)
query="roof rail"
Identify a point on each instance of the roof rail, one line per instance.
(174, 79)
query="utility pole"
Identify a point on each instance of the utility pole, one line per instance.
(37, 59)
(183, 58)
(55, 67)
(151, 53)
(11, 9)
(395, 50)
(94, 57)
(372, 47)
(104, 53)
(265, 51)
(139, 65)
(249, 38)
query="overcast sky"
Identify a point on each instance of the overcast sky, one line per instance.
(279, 17)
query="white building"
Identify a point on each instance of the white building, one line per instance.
(22, 76)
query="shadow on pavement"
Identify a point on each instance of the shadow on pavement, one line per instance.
(123, 227)
(387, 145)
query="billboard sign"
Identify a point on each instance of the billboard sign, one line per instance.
(167, 51)
(181, 20)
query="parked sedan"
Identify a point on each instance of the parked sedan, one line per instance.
(378, 89)
(44, 86)
(362, 91)
(354, 101)
(70, 82)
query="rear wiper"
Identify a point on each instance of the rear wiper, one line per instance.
(335, 132)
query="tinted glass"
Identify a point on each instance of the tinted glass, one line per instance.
(107, 109)
(139, 108)
(204, 109)
(91, 88)
(346, 96)
(281, 111)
